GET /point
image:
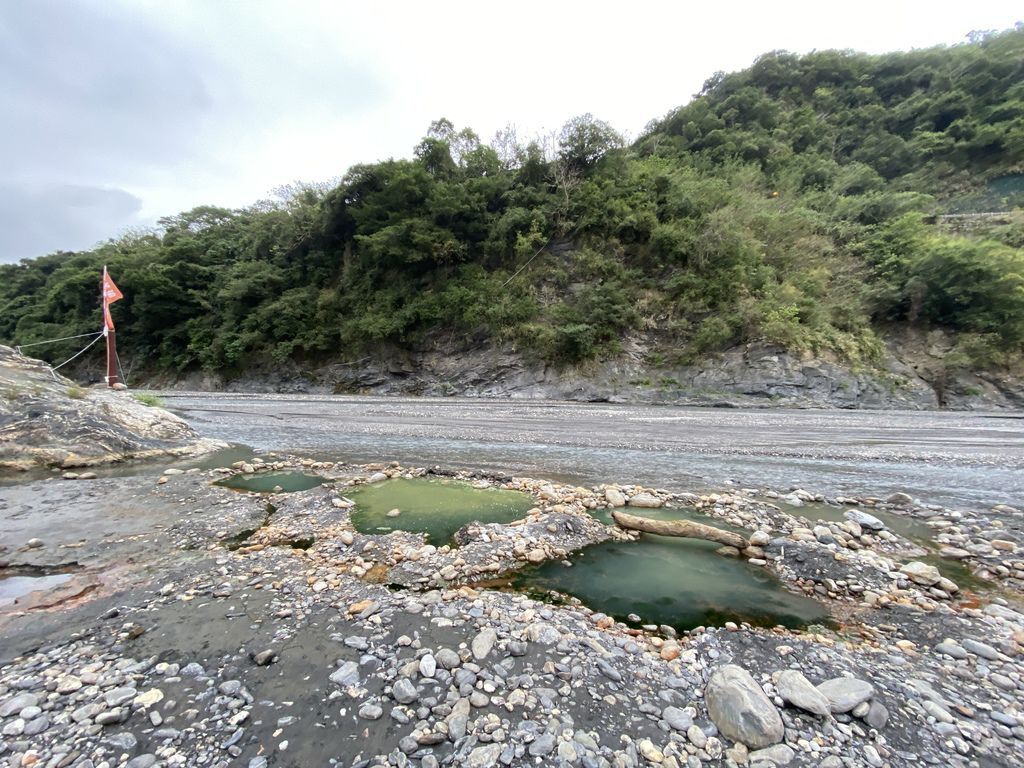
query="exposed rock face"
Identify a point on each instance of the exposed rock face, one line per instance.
(50, 421)
(748, 376)
(741, 710)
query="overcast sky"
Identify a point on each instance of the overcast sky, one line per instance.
(115, 113)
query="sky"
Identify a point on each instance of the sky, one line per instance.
(114, 113)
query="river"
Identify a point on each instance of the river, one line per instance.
(968, 460)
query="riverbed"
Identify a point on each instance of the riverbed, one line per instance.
(969, 460)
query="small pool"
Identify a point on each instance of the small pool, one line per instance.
(679, 582)
(437, 507)
(13, 588)
(272, 482)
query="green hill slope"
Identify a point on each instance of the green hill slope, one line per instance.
(797, 203)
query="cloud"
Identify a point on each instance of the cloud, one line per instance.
(39, 219)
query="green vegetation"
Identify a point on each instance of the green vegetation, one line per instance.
(791, 202)
(75, 392)
(153, 401)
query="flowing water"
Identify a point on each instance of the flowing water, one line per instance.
(970, 460)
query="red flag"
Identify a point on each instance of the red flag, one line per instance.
(111, 293)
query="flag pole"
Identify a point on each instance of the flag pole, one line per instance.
(112, 377)
(109, 333)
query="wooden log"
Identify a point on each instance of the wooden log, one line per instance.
(683, 528)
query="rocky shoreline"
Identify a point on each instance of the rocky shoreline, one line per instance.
(258, 630)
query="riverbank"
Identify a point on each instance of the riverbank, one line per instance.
(227, 628)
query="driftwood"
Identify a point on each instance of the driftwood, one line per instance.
(684, 528)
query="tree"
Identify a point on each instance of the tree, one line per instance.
(584, 140)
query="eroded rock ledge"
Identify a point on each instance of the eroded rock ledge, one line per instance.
(49, 421)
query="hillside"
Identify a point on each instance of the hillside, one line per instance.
(796, 208)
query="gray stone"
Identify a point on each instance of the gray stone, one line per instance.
(258, 762)
(483, 643)
(118, 696)
(484, 757)
(780, 754)
(845, 693)
(542, 745)
(404, 691)
(921, 573)
(951, 648)
(864, 520)
(370, 712)
(877, 715)
(347, 674)
(543, 633)
(796, 689)
(142, 761)
(740, 709)
(980, 649)
(677, 718)
(18, 703)
(447, 658)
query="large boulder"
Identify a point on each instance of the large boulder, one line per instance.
(741, 710)
(47, 420)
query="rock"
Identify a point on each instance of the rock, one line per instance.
(780, 754)
(951, 648)
(370, 712)
(877, 715)
(646, 501)
(484, 757)
(34, 543)
(980, 649)
(264, 658)
(347, 674)
(543, 633)
(696, 736)
(377, 477)
(900, 498)
(864, 520)
(404, 691)
(845, 693)
(796, 689)
(483, 643)
(614, 497)
(740, 709)
(921, 573)
(447, 658)
(428, 665)
(56, 428)
(677, 719)
(16, 704)
(394, 512)
(142, 761)
(542, 745)
(650, 752)
(760, 539)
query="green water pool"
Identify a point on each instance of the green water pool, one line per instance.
(437, 507)
(268, 482)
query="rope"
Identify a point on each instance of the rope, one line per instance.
(20, 347)
(526, 264)
(54, 368)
